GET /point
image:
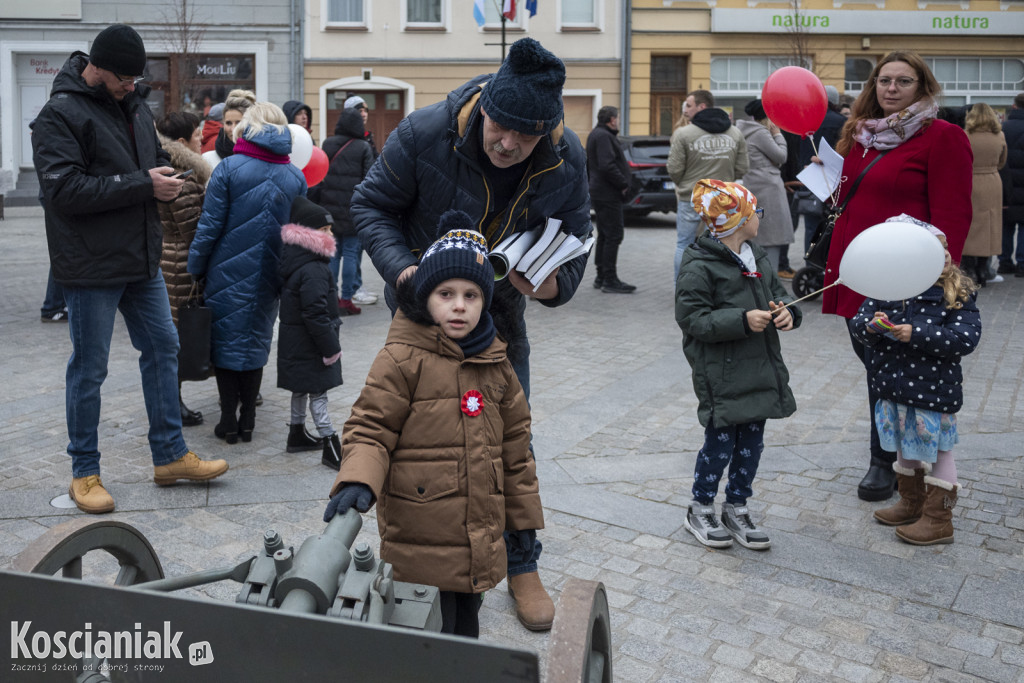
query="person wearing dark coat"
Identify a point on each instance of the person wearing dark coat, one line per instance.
(308, 350)
(298, 113)
(101, 173)
(350, 158)
(1013, 191)
(610, 181)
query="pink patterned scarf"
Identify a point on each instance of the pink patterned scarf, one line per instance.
(895, 129)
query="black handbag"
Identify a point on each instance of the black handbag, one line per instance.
(194, 328)
(817, 254)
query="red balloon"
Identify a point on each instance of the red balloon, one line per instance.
(315, 169)
(795, 100)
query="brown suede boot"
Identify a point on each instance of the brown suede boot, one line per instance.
(936, 523)
(189, 467)
(90, 496)
(534, 606)
(908, 508)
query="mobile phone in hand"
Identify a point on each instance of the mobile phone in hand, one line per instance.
(185, 174)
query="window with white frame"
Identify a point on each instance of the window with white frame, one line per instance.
(492, 14)
(578, 13)
(347, 12)
(424, 13)
(963, 79)
(737, 80)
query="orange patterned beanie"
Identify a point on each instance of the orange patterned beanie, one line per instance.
(723, 206)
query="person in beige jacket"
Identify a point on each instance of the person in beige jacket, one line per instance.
(440, 434)
(985, 238)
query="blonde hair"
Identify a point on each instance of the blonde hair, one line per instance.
(982, 118)
(239, 100)
(957, 286)
(258, 117)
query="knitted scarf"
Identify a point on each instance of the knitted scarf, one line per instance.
(246, 148)
(893, 130)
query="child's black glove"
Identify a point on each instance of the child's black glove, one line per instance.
(351, 495)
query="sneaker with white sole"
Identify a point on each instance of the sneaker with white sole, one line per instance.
(364, 298)
(703, 524)
(737, 522)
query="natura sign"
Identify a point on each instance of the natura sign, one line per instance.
(867, 22)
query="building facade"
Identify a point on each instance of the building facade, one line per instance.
(407, 54)
(729, 47)
(198, 51)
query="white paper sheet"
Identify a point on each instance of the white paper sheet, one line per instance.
(822, 179)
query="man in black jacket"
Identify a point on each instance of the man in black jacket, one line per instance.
(101, 171)
(610, 181)
(1013, 191)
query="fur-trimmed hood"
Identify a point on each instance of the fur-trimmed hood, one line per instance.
(320, 243)
(183, 159)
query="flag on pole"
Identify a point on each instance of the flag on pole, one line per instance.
(509, 10)
(531, 7)
(478, 12)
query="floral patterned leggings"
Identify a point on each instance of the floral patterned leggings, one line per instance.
(739, 447)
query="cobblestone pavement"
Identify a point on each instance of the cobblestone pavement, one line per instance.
(836, 598)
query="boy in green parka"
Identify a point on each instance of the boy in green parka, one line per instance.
(731, 307)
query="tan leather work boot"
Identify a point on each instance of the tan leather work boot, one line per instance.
(90, 496)
(534, 607)
(189, 467)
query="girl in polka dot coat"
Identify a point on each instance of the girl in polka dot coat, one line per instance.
(915, 370)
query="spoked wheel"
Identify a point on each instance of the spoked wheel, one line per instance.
(807, 281)
(581, 638)
(62, 549)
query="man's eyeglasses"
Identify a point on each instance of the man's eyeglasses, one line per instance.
(902, 82)
(128, 80)
(759, 212)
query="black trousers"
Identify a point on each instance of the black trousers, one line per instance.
(879, 456)
(238, 388)
(610, 229)
(460, 613)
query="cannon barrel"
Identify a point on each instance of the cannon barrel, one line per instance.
(318, 565)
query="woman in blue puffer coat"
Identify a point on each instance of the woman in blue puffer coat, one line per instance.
(237, 250)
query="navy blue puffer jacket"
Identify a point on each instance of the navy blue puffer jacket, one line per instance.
(924, 373)
(238, 245)
(429, 165)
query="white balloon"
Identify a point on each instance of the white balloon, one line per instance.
(302, 146)
(892, 261)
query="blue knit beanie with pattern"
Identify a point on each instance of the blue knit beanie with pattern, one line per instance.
(461, 253)
(525, 95)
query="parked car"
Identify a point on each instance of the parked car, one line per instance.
(653, 190)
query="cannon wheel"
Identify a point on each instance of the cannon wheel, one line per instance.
(61, 549)
(581, 639)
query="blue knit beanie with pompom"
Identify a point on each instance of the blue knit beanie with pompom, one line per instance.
(525, 95)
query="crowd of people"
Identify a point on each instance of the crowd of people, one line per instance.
(145, 219)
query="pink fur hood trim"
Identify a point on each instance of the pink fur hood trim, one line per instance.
(321, 243)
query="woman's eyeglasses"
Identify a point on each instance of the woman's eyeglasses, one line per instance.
(902, 82)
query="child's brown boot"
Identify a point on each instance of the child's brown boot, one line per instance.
(908, 508)
(534, 606)
(936, 523)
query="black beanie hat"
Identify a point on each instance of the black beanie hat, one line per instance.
(526, 93)
(460, 253)
(119, 49)
(310, 215)
(755, 110)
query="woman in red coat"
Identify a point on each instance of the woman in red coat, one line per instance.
(925, 173)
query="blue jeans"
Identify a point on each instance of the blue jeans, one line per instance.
(347, 259)
(739, 447)
(53, 303)
(523, 560)
(687, 222)
(1012, 229)
(147, 315)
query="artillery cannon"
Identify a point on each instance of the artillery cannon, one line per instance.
(301, 614)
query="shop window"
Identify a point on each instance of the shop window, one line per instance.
(197, 82)
(746, 74)
(579, 13)
(858, 71)
(347, 12)
(424, 13)
(985, 74)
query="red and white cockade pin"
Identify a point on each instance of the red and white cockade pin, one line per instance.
(472, 403)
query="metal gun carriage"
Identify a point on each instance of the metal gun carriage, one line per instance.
(326, 610)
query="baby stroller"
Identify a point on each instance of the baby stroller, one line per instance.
(811, 277)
